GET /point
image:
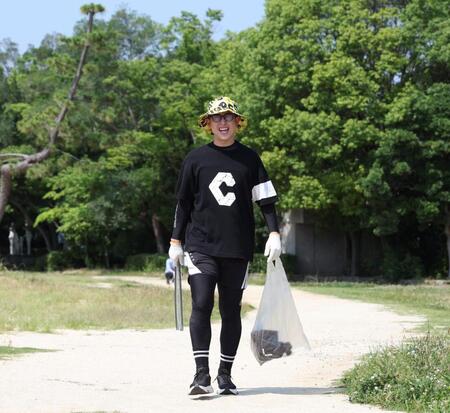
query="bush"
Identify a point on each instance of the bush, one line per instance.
(412, 377)
(146, 262)
(157, 263)
(57, 260)
(259, 264)
(395, 268)
(3, 267)
(40, 263)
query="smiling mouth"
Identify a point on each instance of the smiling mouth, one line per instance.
(223, 130)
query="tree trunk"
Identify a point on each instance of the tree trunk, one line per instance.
(46, 237)
(447, 233)
(5, 188)
(385, 244)
(348, 253)
(30, 222)
(107, 263)
(87, 260)
(156, 224)
(356, 253)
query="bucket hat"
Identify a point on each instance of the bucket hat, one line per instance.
(221, 105)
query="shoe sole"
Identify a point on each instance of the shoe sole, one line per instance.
(196, 390)
(227, 391)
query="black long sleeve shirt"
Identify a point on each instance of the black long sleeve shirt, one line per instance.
(183, 214)
(215, 192)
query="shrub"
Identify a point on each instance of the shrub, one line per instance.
(61, 260)
(413, 377)
(157, 262)
(56, 261)
(146, 262)
(395, 268)
(3, 267)
(259, 264)
(40, 263)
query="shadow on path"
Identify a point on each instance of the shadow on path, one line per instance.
(290, 390)
(296, 391)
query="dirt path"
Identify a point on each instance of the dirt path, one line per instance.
(150, 371)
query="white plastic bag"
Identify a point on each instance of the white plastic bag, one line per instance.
(277, 331)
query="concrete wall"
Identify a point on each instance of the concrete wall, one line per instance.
(288, 230)
(322, 251)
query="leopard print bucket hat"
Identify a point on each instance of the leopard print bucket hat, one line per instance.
(221, 105)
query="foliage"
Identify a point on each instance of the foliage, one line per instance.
(347, 105)
(322, 83)
(92, 8)
(395, 268)
(98, 200)
(259, 264)
(157, 262)
(413, 377)
(61, 260)
(146, 262)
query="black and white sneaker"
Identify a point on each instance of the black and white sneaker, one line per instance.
(201, 383)
(226, 386)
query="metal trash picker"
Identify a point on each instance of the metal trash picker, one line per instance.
(178, 297)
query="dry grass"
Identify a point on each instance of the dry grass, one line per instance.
(45, 302)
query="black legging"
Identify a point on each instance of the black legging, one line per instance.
(202, 291)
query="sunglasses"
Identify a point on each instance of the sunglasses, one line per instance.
(228, 117)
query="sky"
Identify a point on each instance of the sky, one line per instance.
(26, 22)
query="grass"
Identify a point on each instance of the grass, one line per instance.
(44, 302)
(414, 376)
(8, 351)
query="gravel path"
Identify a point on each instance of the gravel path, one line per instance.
(150, 371)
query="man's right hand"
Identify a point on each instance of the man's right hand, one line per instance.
(176, 252)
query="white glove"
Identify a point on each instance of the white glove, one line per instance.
(273, 247)
(176, 253)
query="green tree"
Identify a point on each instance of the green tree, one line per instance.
(322, 83)
(147, 106)
(26, 161)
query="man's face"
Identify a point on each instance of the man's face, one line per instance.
(224, 126)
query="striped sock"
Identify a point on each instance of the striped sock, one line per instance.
(226, 362)
(201, 358)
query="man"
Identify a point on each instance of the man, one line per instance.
(214, 221)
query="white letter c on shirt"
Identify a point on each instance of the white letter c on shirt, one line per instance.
(222, 199)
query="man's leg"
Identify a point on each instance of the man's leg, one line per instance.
(230, 334)
(231, 283)
(202, 293)
(202, 279)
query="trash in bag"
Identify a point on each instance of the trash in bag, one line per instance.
(277, 331)
(267, 346)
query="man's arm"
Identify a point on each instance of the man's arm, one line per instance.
(185, 195)
(182, 216)
(273, 244)
(270, 215)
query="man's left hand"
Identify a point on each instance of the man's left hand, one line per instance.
(273, 247)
